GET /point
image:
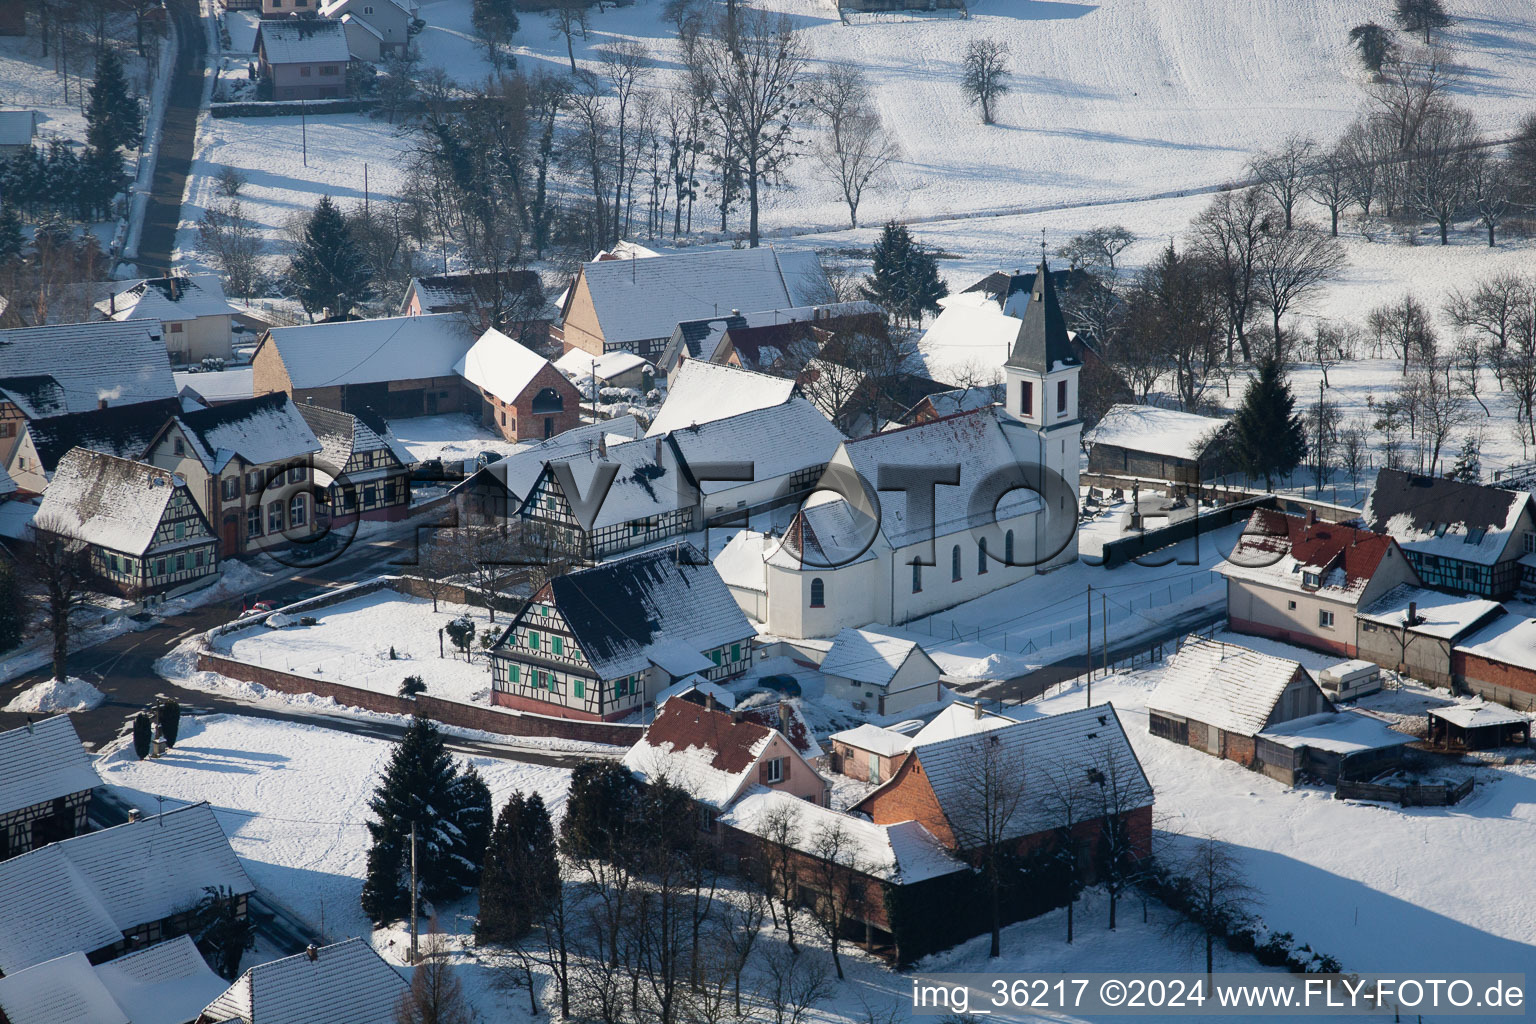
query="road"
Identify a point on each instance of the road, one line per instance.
(123, 667)
(162, 215)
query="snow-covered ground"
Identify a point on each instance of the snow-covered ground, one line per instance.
(30, 80)
(450, 437)
(353, 642)
(51, 695)
(293, 800)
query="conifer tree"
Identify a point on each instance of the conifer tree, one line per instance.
(329, 268)
(421, 787)
(1469, 462)
(112, 118)
(1268, 438)
(14, 607)
(12, 242)
(905, 278)
(602, 804)
(473, 818)
(522, 872)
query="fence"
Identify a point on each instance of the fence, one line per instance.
(1408, 794)
(1118, 552)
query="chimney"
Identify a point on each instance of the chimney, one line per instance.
(735, 312)
(101, 403)
(1311, 518)
(658, 450)
(710, 702)
(312, 951)
(602, 446)
(976, 710)
(134, 814)
(1413, 613)
(784, 718)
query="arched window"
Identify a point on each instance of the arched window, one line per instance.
(297, 511)
(1008, 548)
(818, 593)
(917, 577)
(954, 562)
(981, 557)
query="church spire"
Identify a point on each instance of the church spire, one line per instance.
(1042, 342)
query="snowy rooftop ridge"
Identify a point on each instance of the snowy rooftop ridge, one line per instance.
(62, 368)
(1147, 428)
(298, 41)
(1285, 551)
(105, 500)
(370, 351)
(700, 392)
(1438, 614)
(180, 297)
(500, 365)
(259, 430)
(345, 982)
(1224, 685)
(867, 657)
(41, 762)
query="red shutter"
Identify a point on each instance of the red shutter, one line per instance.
(786, 761)
(762, 772)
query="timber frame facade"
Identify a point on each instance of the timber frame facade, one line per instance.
(27, 828)
(556, 526)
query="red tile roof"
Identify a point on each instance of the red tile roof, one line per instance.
(1321, 546)
(734, 741)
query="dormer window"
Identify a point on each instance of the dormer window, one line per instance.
(1311, 579)
(1476, 535)
(1440, 529)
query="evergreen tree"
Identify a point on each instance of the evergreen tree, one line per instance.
(112, 118)
(12, 242)
(1421, 16)
(600, 810)
(14, 609)
(329, 268)
(421, 787)
(1268, 438)
(905, 277)
(143, 735)
(521, 874)
(1469, 462)
(473, 818)
(1374, 45)
(169, 717)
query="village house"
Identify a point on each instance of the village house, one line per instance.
(393, 367)
(777, 341)
(1235, 703)
(1292, 578)
(387, 20)
(495, 492)
(68, 368)
(145, 536)
(868, 752)
(847, 561)
(346, 982)
(1156, 446)
(17, 128)
(167, 983)
(121, 430)
(1415, 631)
(701, 392)
(365, 472)
(194, 316)
(611, 370)
(1496, 661)
(715, 754)
(512, 301)
(600, 643)
(951, 402)
(521, 396)
(214, 387)
(46, 779)
(286, 8)
(303, 58)
(109, 892)
(938, 782)
(885, 675)
(635, 304)
(247, 465)
(1459, 537)
(978, 328)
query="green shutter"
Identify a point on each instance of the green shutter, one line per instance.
(735, 652)
(716, 656)
(558, 644)
(580, 688)
(533, 640)
(514, 673)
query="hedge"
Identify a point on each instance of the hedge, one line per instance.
(287, 108)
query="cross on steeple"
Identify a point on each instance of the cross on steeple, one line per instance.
(1042, 246)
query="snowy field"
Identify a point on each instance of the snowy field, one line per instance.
(1365, 882)
(293, 800)
(35, 82)
(351, 645)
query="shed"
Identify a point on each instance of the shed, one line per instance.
(888, 674)
(868, 752)
(1159, 444)
(1477, 726)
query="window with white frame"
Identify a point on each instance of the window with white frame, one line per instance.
(1325, 618)
(774, 770)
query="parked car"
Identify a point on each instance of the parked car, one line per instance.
(789, 686)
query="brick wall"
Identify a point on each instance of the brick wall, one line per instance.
(1494, 680)
(909, 798)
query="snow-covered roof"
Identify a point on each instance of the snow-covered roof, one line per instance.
(697, 683)
(371, 351)
(346, 983)
(1439, 615)
(700, 392)
(167, 298)
(1066, 747)
(642, 299)
(827, 532)
(83, 893)
(17, 127)
(867, 657)
(958, 720)
(779, 441)
(1446, 518)
(969, 336)
(218, 385)
(628, 612)
(167, 983)
(260, 430)
(122, 430)
(104, 500)
(1224, 685)
(1478, 715)
(457, 293)
(520, 470)
(302, 41)
(1347, 732)
(1146, 428)
(975, 441)
(903, 854)
(62, 368)
(342, 435)
(500, 365)
(1283, 551)
(577, 364)
(649, 481)
(41, 762)
(947, 403)
(711, 753)
(880, 741)
(64, 990)
(740, 562)
(1509, 639)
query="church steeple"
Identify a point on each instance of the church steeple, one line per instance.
(1042, 344)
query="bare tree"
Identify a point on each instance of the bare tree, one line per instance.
(1283, 173)
(435, 996)
(833, 387)
(60, 563)
(1421, 16)
(1291, 265)
(566, 18)
(985, 817)
(1441, 175)
(1405, 327)
(780, 831)
(984, 77)
(739, 927)
(1492, 308)
(1098, 248)
(836, 877)
(1217, 892)
(1327, 345)
(1228, 235)
(625, 63)
(749, 69)
(1067, 800)
(1331, 183)
(1467, 361)
(1489, 194)
(792, 985)
(233, 246)
(854, 148)
(1362, 169)
(1354, 448)
(1442, 410)
(1123, 855)
(1322, 428)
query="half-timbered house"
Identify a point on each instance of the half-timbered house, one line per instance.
(145, 535)
(365, 473)
(122, 430)
(346, 982)
(46, 781)
(602, 642)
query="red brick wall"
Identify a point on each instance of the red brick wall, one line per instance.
(531, 426)
(1239, 748)
(1475, 670)
(909, 797)
(1291, 636)
(463, 716)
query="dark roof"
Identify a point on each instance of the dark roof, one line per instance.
(1042, 342)
(787, 338)
(452, 293)
(1429, 500)
(122, 430)
(37, 393)
(263, 429)
(695, 331)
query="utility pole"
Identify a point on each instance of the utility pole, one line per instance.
(1104, 625)
(304, 131)
(365, 190)
(1088, 642)
(1319, 494)
(413, 892)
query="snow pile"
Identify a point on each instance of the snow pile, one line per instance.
(71, 695)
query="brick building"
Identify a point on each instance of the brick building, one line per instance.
(521, 395)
